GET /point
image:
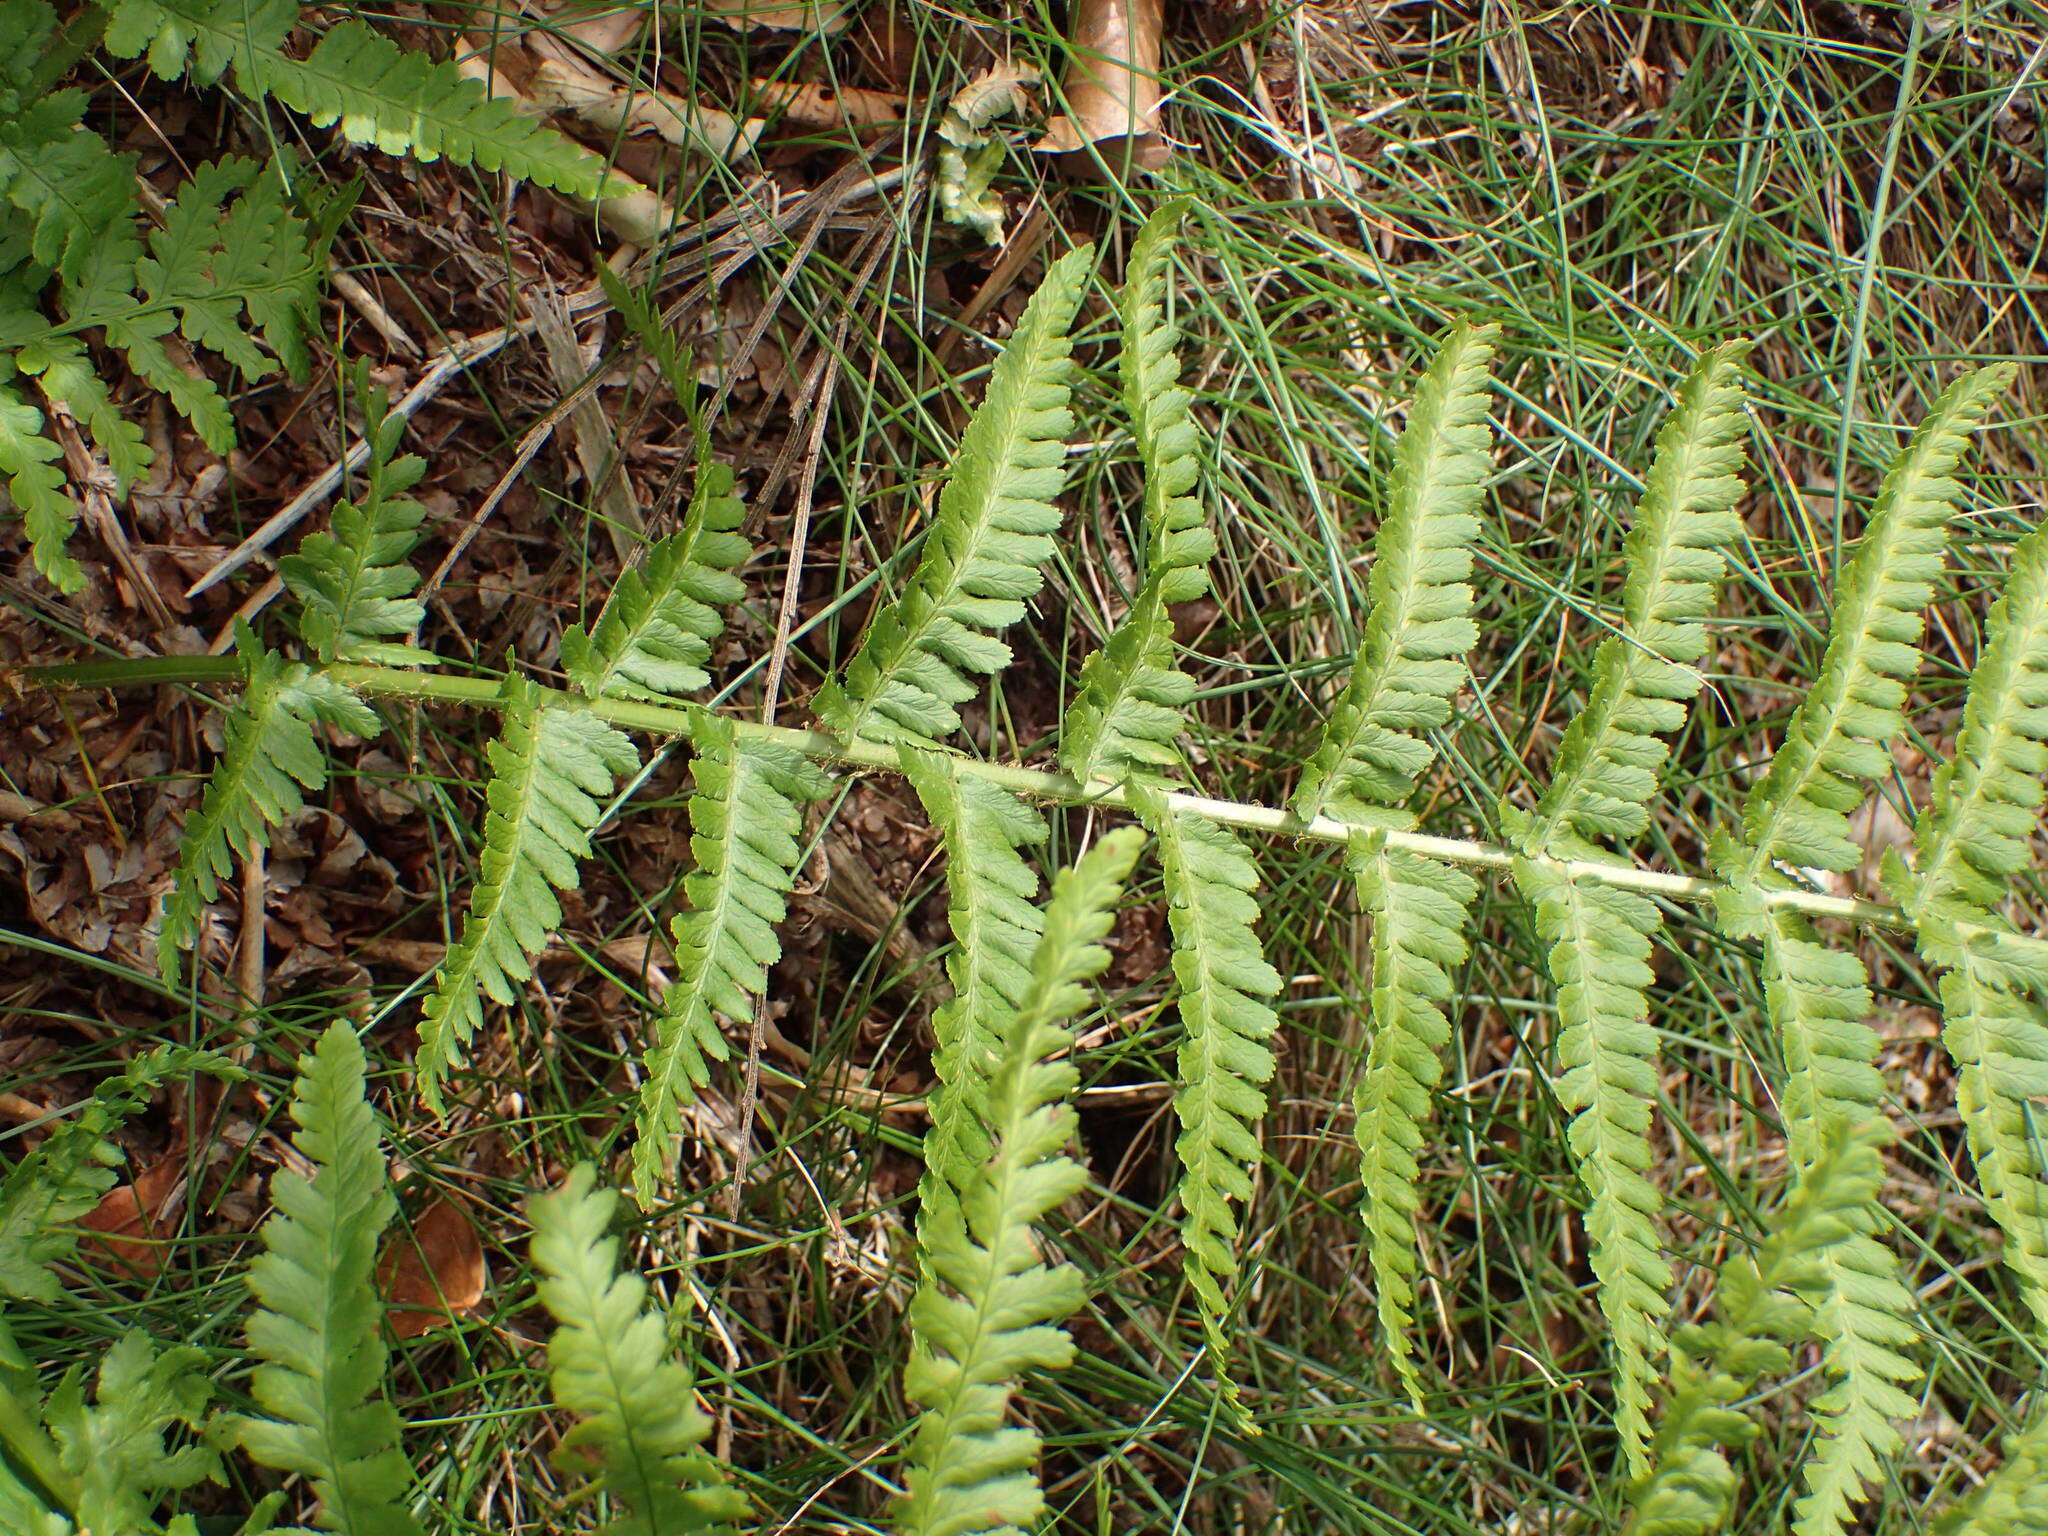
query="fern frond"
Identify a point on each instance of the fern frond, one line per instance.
(1797, 814)
(1419, 910)
(548, 769)
(1224, 984)
(2013, 1501)
(1599, 957)
(64, 1178)
(655, 634)
(1411, 654)
(64, 369)
(354, 580)
(746, 812)
(991, 533)
(1608, 764)
(1971, 841)
(73, 190)
(271, 753)
(638, 1426)
(318, 1327)
(404, 103)
(113, 1449)
(1128, 709)
(996, 926)
(28, 459)
(989, 1307)
(1691, 1488)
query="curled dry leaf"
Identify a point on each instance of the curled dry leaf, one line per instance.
(126, 1231)
(434, 1273)
(1111, 86)
(568, 87)
(969, 153)
(810, 105)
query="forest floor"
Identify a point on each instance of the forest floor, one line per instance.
(1858, 188)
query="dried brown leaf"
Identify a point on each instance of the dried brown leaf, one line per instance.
(434, 1273)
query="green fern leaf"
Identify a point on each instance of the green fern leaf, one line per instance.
(1129, 707)
(654, 636)
(989, 1307)
(1411, 655)
(403, 103)
(271, 752)
(29, 461)
(1224, 984)
(548, 770)
(318, 1327)
(611, 1365)
(1797, 813)
(1970, 842)
(1691, 1488)
(745, 816)
(2013, 1501)
(1419, 910)
(113, 1450)
(1612, 754)
(73, 189)
(1599, 959)
(992, 532)
(989, 891)
(354, 579)
(64, 1178)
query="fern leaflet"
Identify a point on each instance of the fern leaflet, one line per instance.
(318, 1324)
(1797, 813)
(404, 103)
(745, 814)
(1608, 763)
(1128, 709)
(1970, 842)
(989, 1307)
(1599, 959)
(1419, 909)
(655, 634)
(989, 891)
(638, 1424)
(28, 459)
(1691, 1488)
(1224, 987)
(1411, 655)
(271, 753)
(548, 769)
(354, 580)
(992, 532)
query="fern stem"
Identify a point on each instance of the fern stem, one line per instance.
(661, 720)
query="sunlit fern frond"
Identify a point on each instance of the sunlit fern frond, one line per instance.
(1411, 653)
(551, 769)
(996, 926)
(1419, 911)
(1224, 988)
(746, 811)
(1131, 703)
(990, 536)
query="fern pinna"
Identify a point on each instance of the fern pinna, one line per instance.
(994, 1166)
